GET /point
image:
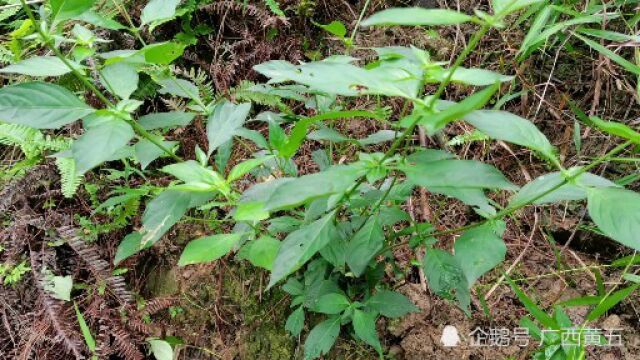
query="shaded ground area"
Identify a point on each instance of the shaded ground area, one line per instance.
(221, 311)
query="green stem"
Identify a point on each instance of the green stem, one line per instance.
(355, 29)
(49, 43)
(510, 210)
(475, 40)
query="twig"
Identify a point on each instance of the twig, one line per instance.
(516, 261)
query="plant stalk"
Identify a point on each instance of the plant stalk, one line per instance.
(48, 42)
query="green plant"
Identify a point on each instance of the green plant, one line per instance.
(337, 226)
(35, 146)
(559, 337)
(13, 274)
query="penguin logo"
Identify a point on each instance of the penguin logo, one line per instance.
(450, 337)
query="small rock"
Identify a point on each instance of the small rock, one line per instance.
(611, 322)
(395, 351)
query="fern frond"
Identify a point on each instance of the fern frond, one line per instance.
(202, 80)
(274, 7)
(69, 180)
(259, 94)
(6, 57)
(9, 10)
(28, 139)
(468, 138)
(55, 143)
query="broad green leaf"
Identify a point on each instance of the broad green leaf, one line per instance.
(191, 171)
(626, 261)
(67, 9)
(335, 251)
(616, 211)
(428, 155)
(86, 332)
(299, 246)
(378, 137)
(331, 304)
(364, 325)
(443, 271)
(293, 287)
(336, 28)
(161, 349)
(100, 142)
(632, 277)
(327, 134)
(95, 18)
(162, 53)
(465, 180)
(147, 152)
(39, 66)
(616, 128)
(416, 16)
(245, 167)
(260, 252)
(437, 121)
(575, 190)
(471, 196)
(505, 7)
(223, 123)
(444, 275)
(299, 131)
(298, 191)
(158, 11)
(610, 301)
(208, 248)
(161, 213)
(295, 322)
(254, 136)
(502, 125)
(472, 76)
(261, 192)
(40, 105)
(286, 224)
(479, 250)
(365, 245)
(457, 174)
(120, 79)
(321, 338)
(398, 77)
(166, 120)
(391, 304)
(59, 286)
(83, 36)
(179, 87)
(130, 245)
(250, 211)
(626, 64)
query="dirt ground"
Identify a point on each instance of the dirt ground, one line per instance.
(221, 310)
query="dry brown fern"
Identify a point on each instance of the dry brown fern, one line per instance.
(98, 267)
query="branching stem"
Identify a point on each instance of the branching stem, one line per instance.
(48, 41)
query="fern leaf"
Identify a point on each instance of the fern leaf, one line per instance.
(274, 7)
(69, 180)
(28, 139)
